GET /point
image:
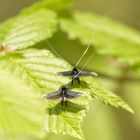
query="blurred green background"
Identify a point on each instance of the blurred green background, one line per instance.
(126, 11)
(102, 122)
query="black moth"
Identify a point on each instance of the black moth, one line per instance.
(64, 94)
(76, 74)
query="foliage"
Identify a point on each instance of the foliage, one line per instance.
(28, 67)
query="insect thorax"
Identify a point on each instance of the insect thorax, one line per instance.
(74, 71)
(64, 90)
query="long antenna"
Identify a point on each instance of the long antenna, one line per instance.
(53, 49)
(89, 45)
(82, 55)
(93, 35)
(85, 64)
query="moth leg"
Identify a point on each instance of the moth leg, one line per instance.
(66, 103)
(78, 79)
(72, 82)
(62, 103)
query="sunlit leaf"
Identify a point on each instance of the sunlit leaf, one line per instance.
(39, 68)
(21, 111)
(29, 30)
(29, 73)
(107, 96)
(110, 37)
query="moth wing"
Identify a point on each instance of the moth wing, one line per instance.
(86, 73)
(65, 73)
(72, 94)
(52, 95)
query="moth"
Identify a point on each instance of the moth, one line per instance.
(75, 74)
(64, 94)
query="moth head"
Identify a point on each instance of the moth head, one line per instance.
(64, 88)
(74, 69)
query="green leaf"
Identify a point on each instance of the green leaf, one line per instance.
(106, 96)
(21, 111)
(100, 117)
(56, 5)
(39, 68)
(27, 30)
(35, 69)
(110, 37)
(5, 27)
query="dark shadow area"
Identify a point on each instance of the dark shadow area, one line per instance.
(83, 85)
(65, 14)
(58, 108)
(14, 54)
(70, 49)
